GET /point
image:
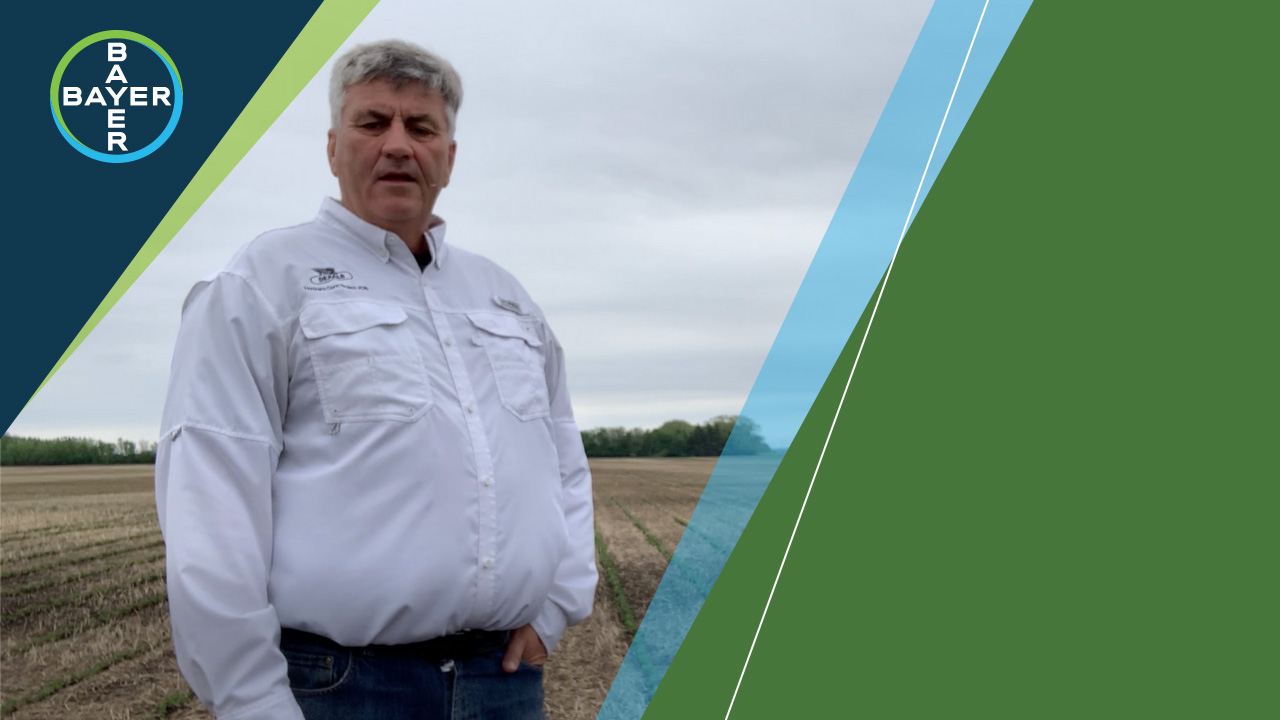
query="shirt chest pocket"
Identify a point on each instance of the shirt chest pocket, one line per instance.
(366, 361)
(515, 350)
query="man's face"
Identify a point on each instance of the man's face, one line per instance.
(392, 154)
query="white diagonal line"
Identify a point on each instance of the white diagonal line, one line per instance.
(856, 357)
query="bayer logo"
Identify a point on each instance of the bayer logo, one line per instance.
(116, 96)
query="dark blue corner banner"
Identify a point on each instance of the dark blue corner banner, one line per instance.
(73, 222)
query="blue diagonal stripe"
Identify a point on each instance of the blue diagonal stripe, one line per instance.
(846, 268)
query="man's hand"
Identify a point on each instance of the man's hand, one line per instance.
(524, 645)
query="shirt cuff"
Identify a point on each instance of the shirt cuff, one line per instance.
(550, 625)
(278, 706)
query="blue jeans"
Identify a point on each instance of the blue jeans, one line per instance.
(391, 682)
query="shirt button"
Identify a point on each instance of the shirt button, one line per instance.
(486, 563)
(488, 480)
(471, 408)
(448, 342)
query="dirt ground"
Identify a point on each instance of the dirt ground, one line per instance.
(84, 631)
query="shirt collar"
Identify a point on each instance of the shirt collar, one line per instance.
(375, 239)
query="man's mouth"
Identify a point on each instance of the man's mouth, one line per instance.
(396, 177)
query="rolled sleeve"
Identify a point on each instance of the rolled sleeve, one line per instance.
(573, 590)
(214, 468)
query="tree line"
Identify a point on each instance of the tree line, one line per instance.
(18, 450)
(674, 438)
(677, 438)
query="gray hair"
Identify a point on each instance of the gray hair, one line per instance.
(401, 63)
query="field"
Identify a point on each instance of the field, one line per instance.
(84, 630)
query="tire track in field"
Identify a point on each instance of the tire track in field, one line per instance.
(27, 672)
(33, 587)
(652, 539)
(621, 603)
(67, 562)
(72, 626)
(61, 683)
(44, 533)
(639, 567)
(147, 686)
(50, 552)
(12, 616)
(579, 673)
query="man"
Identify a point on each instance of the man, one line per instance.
(374, 496)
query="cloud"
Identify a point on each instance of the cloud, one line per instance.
(658, 175)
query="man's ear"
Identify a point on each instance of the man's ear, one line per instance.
(453, 150)
(333, 153)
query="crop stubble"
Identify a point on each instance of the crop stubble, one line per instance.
(85, 627)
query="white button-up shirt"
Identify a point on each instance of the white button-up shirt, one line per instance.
(366, 451)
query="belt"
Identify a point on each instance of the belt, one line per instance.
(458, 646)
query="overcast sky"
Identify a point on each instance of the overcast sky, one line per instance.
(658, 175)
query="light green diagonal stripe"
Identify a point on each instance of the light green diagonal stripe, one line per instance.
(331, 24)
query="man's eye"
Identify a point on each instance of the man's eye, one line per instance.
(372, 125)
(423, 131)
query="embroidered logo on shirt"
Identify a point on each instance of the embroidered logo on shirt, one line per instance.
(328, 275)
(506, 304)
(331, 279)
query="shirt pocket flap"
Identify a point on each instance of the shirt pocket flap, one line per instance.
(506, 326)
(325, 319)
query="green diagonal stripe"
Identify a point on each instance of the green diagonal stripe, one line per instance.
(702, 676)
(1052, 488)
(331, 24)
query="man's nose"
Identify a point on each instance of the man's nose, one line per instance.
(396, 141)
